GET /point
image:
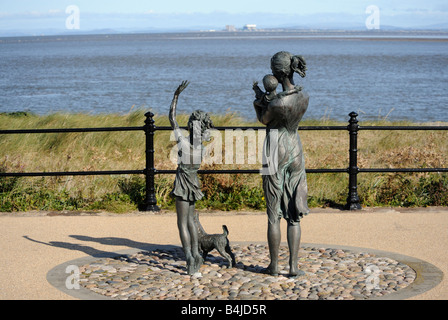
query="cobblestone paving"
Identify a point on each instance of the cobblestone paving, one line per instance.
(326, 274)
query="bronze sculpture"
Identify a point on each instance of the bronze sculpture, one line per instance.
(286, 188)
(187, 188)
(220, 242)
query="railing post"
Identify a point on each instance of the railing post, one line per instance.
(150, 201)
(353, 170)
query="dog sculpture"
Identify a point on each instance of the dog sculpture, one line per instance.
(220, 242)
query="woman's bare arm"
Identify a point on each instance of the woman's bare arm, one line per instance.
(264, 113)
(267, 116)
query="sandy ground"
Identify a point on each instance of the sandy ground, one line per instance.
(31, 244)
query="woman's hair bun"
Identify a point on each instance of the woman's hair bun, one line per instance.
(298, 65)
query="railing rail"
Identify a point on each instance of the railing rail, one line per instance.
(353, 202)
(70, 130)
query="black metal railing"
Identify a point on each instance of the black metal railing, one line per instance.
(353, 202)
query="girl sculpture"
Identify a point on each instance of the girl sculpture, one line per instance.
(187, 188)
(286, 188)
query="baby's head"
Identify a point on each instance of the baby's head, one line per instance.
(270, 83)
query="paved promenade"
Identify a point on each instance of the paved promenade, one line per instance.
(32, 244)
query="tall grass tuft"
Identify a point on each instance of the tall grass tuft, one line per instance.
(126, 151)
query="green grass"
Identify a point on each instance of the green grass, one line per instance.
(126, 151)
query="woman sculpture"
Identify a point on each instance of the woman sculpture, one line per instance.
(286, 188)
(187, 188)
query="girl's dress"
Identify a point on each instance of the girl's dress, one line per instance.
(186, 183)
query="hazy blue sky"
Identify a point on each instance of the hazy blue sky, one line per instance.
(231, 6)
(166, 14)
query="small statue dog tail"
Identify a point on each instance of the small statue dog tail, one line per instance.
(225, 230)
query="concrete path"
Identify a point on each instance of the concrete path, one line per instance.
(31, 244)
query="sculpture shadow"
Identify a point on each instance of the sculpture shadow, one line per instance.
(334, 205)
(167, 255)
(90, 250)
(75, 247)
(223, 263)
(114, 241)
(160, 251)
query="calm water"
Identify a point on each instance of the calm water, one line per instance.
(112, 74)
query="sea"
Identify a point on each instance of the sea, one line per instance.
(392, 78)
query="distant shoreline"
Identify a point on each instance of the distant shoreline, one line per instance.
(373, 35)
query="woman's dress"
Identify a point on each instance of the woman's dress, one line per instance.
(286, 188)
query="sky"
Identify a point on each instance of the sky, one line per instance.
(164, 15)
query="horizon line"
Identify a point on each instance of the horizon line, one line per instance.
(389, 30)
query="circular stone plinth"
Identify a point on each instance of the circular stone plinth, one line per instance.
(327, 273)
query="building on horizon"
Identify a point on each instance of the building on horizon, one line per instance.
(250, 27)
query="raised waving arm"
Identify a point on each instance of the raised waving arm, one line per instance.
(172, 114)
